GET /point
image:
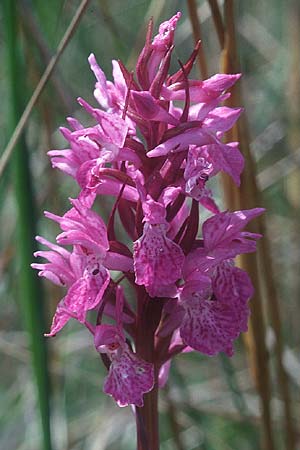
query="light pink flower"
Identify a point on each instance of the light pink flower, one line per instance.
(85, 270)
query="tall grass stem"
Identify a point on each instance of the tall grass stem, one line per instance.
(30, 294)
(20, 125)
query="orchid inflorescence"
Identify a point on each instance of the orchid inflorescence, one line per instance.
(155, 144)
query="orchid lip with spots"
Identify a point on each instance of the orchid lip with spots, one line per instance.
(155, 159)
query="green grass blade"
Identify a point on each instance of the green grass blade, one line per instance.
(232, 382)
(29, 287)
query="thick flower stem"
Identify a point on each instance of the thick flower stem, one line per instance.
(147, 416)
(147, 422)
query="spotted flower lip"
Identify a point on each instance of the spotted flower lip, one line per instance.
(209, 327)
(215, 309)
(157, 259)
(215, 305)
(129, 376)
(149, 148)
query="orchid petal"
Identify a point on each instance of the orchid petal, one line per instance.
(157, 260)
(148, 107)
(129, 378)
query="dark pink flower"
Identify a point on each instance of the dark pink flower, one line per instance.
(129, 377)
(215, 293)
(197, 172)
(224, 290)
(149, 108)
(158, 261)
(208, 325)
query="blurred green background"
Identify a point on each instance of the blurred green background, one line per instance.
(209, 403)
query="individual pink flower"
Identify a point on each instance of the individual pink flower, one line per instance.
(158, 260)
(84, 275)
(129, 377)
(201, 91)
(100, 143)
(208, 326)
(223, 239)
(204, 137)
(110, 95)
(85, 270)
(197, 172)
(215, 294)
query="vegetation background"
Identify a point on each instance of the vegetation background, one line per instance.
(209, 403)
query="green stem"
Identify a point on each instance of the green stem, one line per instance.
(29, 287)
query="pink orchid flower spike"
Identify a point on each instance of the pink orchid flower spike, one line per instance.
(149, 147)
